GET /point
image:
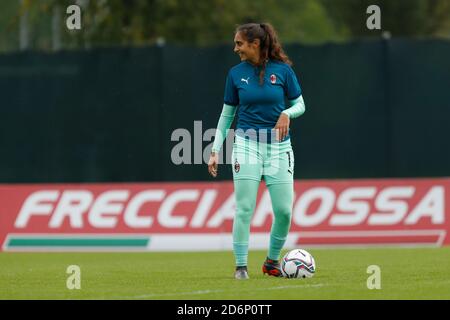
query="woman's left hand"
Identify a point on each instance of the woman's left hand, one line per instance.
(282, 126)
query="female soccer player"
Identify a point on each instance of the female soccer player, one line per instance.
(257, 87)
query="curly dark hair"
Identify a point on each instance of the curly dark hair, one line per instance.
(270, 47)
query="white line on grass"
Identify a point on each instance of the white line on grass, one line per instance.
(200, 292)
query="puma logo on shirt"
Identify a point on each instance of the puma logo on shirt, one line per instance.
(245, 80)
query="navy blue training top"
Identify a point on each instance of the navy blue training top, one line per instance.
(260, 106)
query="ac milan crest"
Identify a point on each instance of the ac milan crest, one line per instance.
(273, 78)
(237, 166)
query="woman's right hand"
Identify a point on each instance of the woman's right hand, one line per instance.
(213, 164)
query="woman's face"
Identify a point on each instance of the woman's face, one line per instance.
(246, 50)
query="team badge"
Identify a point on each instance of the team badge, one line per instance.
(237, 166)
(273, 78)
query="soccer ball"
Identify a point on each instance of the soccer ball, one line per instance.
(298, 263)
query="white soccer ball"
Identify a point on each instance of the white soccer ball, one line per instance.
(298, 263)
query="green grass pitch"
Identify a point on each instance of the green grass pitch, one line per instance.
(406, 273)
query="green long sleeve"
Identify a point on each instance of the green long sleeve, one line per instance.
(297, 108)
(225, 121)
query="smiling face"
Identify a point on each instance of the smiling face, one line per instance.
(247, 51)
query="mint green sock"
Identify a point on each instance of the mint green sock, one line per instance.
(245, 192)
(240, 254)
(282, 197)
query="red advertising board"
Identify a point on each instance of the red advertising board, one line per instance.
(158, 216)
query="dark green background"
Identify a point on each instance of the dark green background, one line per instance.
(374, 108)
